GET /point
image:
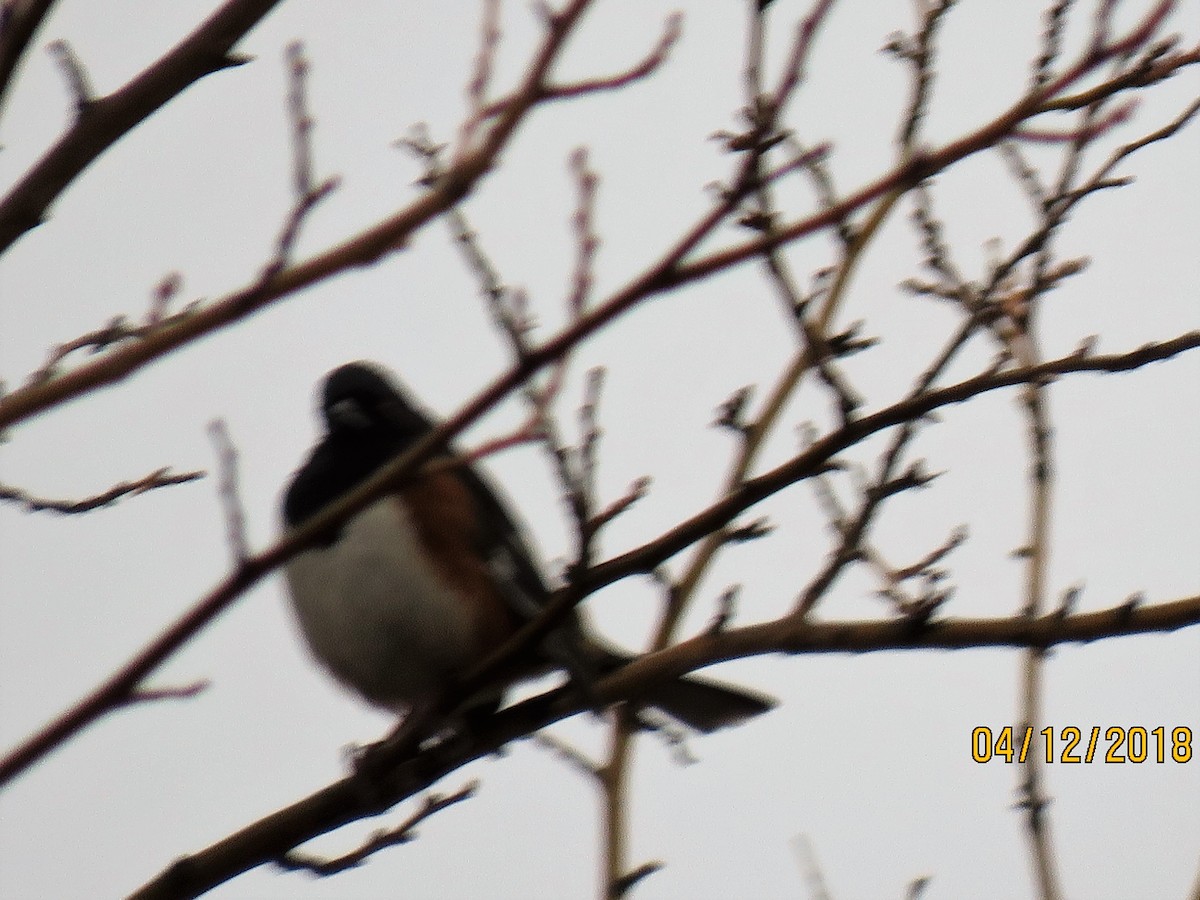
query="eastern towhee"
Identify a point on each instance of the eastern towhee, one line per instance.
(414, 590)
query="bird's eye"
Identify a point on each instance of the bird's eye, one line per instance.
(348, 413)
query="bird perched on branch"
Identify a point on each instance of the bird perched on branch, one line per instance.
(413, 591)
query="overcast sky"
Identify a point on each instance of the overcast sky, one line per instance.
(868, 757)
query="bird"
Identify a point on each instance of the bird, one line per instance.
(405, 596)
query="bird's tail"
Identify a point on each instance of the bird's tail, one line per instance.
(707, 705)
(700, 703)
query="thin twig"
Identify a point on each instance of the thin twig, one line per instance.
(178, 692)
(19, 22)
(206, 50)
(350, 799)
(629, 880)
(1052, 39)
(227, 489)
(307, 192)
(75, 75)
(668, 273)
(586, 240)
(485, 61)
(159, 478)
(921, 54)
(573, 756)
(403, 833)
(672, 30)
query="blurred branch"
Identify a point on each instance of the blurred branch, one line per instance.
(631, 879)
(485, 61)
(573, 756)
(255, 567)
(118, 330)
(19, 22)
(105, 120)
(351, 798)
(307, 191)
(919, 51)
(159, 478)
(1160, 70)
(75, 75)
(587, 241)
(1041, 481)
(806, 858)
(177, 692)
(363, 249)
(670, 272)
(380, 840)
(817, 456)
(1052, 40)
(672, 30)
(752, 179)
(227, 487)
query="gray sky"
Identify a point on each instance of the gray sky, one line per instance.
(869, 757)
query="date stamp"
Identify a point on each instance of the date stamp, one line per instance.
(1071, 745)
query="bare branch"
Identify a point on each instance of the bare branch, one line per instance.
(672, 30)
(1056, 19)
(204, 51)
(810, 868)
(485, 61)
(348, 799)
(227, 487)
(636, 492)
(118, 330)
(802, 44)
(1088, 132)
(731, 413)
(363, 249)
(19, 22)
(627, 882)
(921, 566)
(668, 273)
(920, 52)
(180, 692)
(726, 608)
(528, 432)
(1023, 173)
(380, 840)
(575, 757)
(587, 241)
(1159, 70)
(817, 456)
(159, 478)
(76, 77)
(308, 193)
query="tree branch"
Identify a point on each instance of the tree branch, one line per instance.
(350, 799)
(105, 120)
(159, 478)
